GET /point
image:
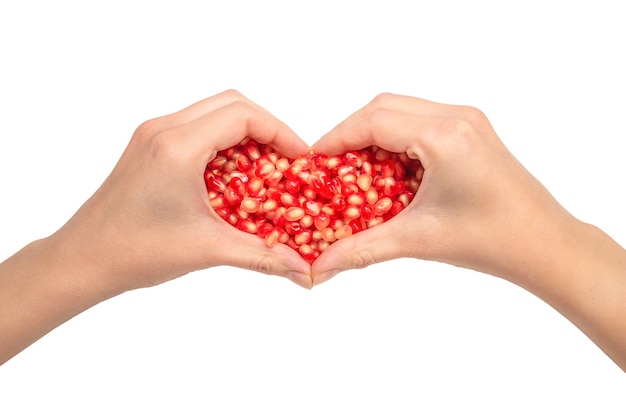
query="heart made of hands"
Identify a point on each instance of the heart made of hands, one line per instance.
(311, 201)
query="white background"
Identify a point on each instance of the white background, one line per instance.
(402, 338)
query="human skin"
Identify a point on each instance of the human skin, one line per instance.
(479, 208)
(149, 222)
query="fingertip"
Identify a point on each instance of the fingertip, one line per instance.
(323, 277)
(302, 279)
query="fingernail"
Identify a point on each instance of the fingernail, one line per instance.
(301, 279)
(325, 276)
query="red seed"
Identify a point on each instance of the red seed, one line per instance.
(351, 212)
(310, 201)
(328, 235)
(321, 221)
(307, 252)
(216, 183)
(312, 208)
(271, 239)
(343, 232)
(382, 206)
(250, 204)
(264, 170)
(294, 214)
(232, 197)
(247, 225)
(252, 150)
(303, 237)
(243, 163)
(217, 163)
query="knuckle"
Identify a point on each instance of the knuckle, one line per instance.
(458, 129)
(147, 130)
(382, 100)
(262, 264)
(164, 146)
(362, 259)
(472, 115)
(232, 94)
(240, 107)
(378, 118)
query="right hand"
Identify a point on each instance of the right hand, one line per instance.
(477, 207)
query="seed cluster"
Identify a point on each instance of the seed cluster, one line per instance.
(310, 201)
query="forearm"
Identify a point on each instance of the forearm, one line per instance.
(40, 288)
(581, 272)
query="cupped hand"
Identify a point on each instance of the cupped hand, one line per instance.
(475, 200)
(151, 220)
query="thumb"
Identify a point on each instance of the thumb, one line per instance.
(248, 251)
(381, 243)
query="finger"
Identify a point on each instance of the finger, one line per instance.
(413, 105)
(381, 243)
(228, 125)
(394, 131)
(196, 111)
(239, 249)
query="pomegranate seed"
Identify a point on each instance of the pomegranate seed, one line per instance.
(293, 228)
(250, 204)
(293, 214)
(312, 208)
(328, 235)
(313, 200)
(343, 232)
(269, 205)
(217, 163)
(216, 183)
(264, 228)
(307, 252)
(351, 212)
(232, 197)
(246, 225)
(353, 159)
(321, 221)
(223, 213)
(303, 237)
(396, 207)
(243, 163)
(288, 200)
(292, 186)
(254, 186)
(345, 170)
(293, 171)
(252, 150)
(306, 221)
(371, 196)
(272, 238)
(218, 202)
(355, 200)
(338, 202)
(265, 170)
(367, 168)
(382, 206)
(282, 165)
(374, 222)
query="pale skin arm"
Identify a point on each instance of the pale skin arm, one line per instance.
(149, 222)
(479, 208)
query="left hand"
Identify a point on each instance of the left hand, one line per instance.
(151, 220)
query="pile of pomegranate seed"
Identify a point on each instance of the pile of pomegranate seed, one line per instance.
(313, 200)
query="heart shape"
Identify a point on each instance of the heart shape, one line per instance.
(310, 201)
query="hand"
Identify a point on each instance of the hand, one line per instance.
(477, 207)
(473, 198)
(151, 220)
